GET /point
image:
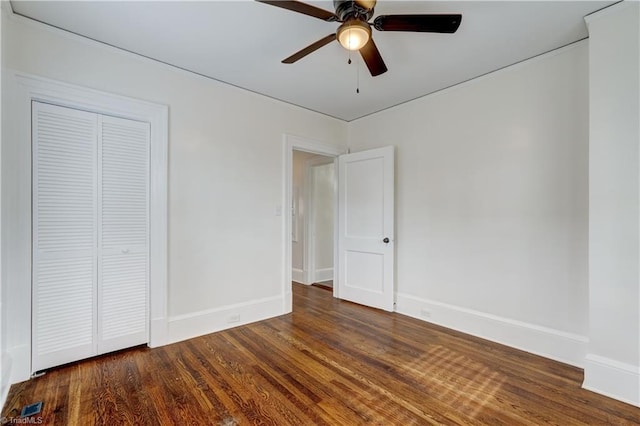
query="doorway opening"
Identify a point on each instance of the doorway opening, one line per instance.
(363, 223)
(313, 210)
(293, 144)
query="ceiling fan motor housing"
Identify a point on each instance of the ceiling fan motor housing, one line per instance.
(350, 9)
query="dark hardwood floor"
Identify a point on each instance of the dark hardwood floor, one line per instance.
(328, 363)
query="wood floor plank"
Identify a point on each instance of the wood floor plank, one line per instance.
(329, 362)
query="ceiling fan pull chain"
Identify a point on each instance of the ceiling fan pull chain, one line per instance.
(358, 77)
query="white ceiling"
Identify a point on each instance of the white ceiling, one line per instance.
(243, 42)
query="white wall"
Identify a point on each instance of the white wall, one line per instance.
(613, 360)
(323, 202)
(225, 174)
(491, 203)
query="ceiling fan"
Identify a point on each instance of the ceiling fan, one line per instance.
(354, 33)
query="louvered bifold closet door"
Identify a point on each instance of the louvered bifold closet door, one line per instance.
(123, 262)
(64, 235)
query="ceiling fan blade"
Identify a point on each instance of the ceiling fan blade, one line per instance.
(418, 23)
(373, 59)
(309, 49)
(305, 9)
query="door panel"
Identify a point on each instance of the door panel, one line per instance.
(366, 219)
(64, 237)
(123, 271)
(123, 293)
(364, 270)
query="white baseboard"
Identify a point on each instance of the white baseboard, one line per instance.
(612, 378)
(297, 275)
(5, 378)
(20, 368)
(182, 327)
(558, 345)
(158, 331)
(324, 274)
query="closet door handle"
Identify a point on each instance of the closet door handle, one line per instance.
(125, 251)
(386, 240)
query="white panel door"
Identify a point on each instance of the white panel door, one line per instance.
(366, 228)
(64, 235)
(123, 261)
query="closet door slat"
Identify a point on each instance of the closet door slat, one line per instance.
(64, 235)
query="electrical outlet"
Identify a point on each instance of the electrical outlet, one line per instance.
(426, 313)
(233, 318)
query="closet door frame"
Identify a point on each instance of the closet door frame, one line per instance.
(22, 89)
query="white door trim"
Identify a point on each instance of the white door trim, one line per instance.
(297, 143)
(20, 90)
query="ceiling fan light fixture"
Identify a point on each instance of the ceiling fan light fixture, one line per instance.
(354, 34)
